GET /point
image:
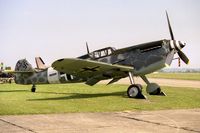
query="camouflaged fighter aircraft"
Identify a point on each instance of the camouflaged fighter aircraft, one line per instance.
(106, 63)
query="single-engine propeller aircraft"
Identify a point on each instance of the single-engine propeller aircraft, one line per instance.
(107, 63)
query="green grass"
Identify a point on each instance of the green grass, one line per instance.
(182, 76)
(17, 99)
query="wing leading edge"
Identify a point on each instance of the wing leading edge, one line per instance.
(91, 71)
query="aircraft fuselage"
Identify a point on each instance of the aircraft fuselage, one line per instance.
(144, 58)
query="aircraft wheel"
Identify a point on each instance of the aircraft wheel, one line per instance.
(33, 88)
(134, 91)
(156, 92)
(140, 86)
(154, 89)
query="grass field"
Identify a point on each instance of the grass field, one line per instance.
(62, 98)
(182, 76)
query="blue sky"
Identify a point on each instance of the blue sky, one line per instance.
(56, 29)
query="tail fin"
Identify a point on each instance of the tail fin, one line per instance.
(40, 63)
(23, 66)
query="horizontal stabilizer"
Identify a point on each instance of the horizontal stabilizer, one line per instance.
(12, 71)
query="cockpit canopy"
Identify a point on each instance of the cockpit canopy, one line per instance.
(102, 53)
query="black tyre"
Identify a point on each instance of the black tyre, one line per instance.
(156, 92)
(33, 89)
(140, 86)
(134, 91)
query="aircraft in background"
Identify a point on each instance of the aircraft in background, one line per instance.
(106, 63)
(5, 77)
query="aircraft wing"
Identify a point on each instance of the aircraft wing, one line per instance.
(91, 71)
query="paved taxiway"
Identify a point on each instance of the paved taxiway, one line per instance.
(166, 121)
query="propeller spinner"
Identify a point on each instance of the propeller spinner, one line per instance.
(177, 45)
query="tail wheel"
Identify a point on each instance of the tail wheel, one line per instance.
(33, 89)
(134, 91)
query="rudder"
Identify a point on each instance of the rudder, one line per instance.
(40, 63)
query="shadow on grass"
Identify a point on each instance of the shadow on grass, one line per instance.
(43, 92)
(14, 91)
(82, 96)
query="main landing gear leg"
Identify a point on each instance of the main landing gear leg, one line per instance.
(153, 88)
(134, 90)
(33, 89)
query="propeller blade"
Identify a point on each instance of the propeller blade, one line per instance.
(88, 51)
(170, 28)
(183, 57)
